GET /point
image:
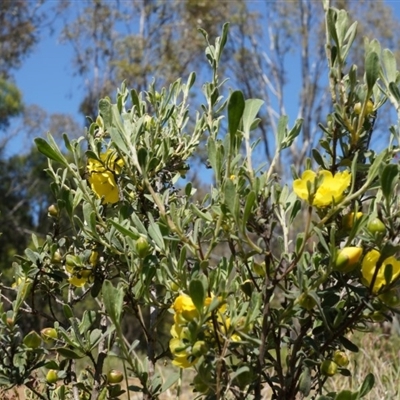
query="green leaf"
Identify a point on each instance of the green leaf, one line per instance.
(31, 255)
(197, 292)
(331, 16)
(367, 385)
(394, 90)
(67, 142)
(374, 168)
(50, 152)
(349, 39)
(68, 353)
(235, 111)
(118, 139)
(389, 62)
(171, 379)
(348, 345)
(388, 273)
(203, 215)
(318, 158)
(223, 39)
(191, 80)
(296, 208)
(344, 395)
(251, 109)
(250, 200)
(389, 178)
(212, 153)
(135, 100)
(105, 112)
(67, 311)
(133, 234)
(305, 382)
(230, 196)
(372, 69)
(292, 134)
(341, 26)
(113, 301)
(156, 235)
(282, 129)
(239, 371)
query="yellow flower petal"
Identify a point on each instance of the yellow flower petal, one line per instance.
(104, 185)
(300, 185)
(180, 353)
(330, 188)
(369, 267)
(183, 305)
(77, 282)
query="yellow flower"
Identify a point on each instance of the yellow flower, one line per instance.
(179, 346)
(105, 187)
(225, 324)
(183, 305)
(182, 356)
(369, 267)
(108, 161)
(78, 277)
(329, 188)
(102, 179)
(76, 281)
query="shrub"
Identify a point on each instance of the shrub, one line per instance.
(251, 301)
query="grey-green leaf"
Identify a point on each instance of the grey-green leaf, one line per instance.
(197, 292)
(50, 152)
(389, 178)
(367, 385)
(372, 69)
(235, 111)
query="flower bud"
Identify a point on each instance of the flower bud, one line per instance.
(142, 247)
(349, 219)
(53, 211)
(376, 226)
(114, 376)
(340, 358)
(377, 316)
(307, 301)
(56, 258)
(347, 259)
(391, 298)
(369, 108)
(357, 108)
(328, 368)
(48, 334)
(52, 376)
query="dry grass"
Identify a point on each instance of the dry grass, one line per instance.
(379, 353)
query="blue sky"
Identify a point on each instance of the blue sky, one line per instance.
(46, 77)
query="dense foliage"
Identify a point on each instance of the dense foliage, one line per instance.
(260, 283)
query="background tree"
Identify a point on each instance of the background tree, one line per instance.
(20, 24)
(142, 41)
(23, 184)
